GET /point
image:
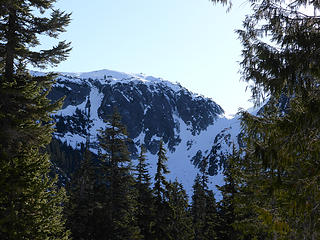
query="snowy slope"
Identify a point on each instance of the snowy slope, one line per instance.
(153, 109)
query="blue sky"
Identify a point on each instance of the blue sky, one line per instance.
(187, 41)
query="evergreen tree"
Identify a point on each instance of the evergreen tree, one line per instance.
(66, 159)
(203, 208)
(30, 202)
(172, 217)
(145, 201)
(81, 205)
(198, 208)
(118, 205)
(281, 57)
(212, 221)
(161, 226)
(227, 205)
(160, 180)
(80, 212)
(180, 227)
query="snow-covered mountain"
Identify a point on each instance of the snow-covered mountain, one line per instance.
(192, 126)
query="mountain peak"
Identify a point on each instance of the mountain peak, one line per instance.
(152, 109)
(113, 77)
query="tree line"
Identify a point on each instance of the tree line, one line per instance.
(112, 199)
(271, 188)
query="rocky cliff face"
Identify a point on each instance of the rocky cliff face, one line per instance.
(147, 105)
(191, 125)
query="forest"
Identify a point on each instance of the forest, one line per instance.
(271, 188)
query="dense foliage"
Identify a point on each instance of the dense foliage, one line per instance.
(281, 57)
(272, 182)
(279, 168)
(30, 201)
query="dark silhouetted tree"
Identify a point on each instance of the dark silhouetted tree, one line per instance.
(119, 202)
(30, 202)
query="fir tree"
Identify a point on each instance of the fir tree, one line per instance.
(203, 208)
(282, 145)
(280, 58)
(145, 201)
(226, 207)
(118, 205)
(198, 208)
(180, 227)
(161, 226)
(30, 202)
(212, 221)
(82, 200)
(160, 180)
(82, 193)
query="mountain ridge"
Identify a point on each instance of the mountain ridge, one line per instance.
(152, 109)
